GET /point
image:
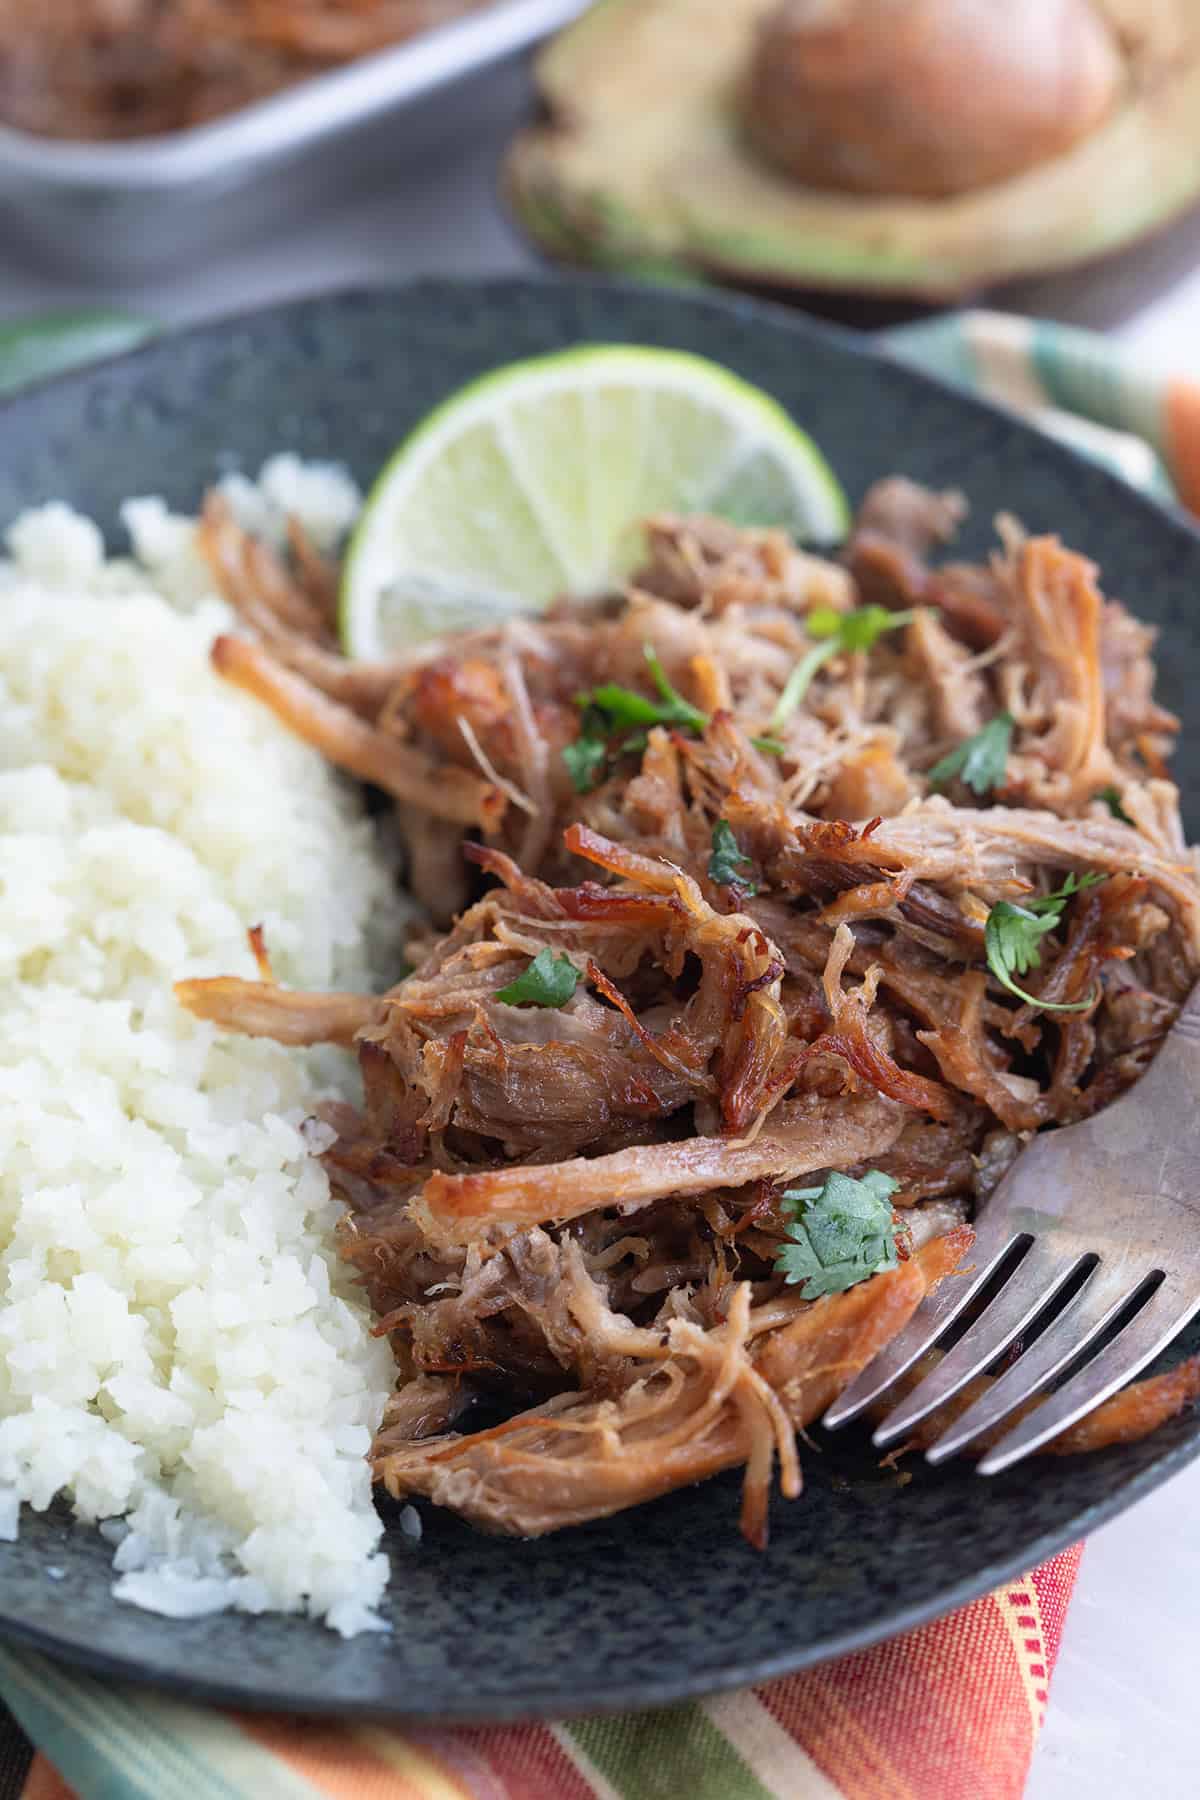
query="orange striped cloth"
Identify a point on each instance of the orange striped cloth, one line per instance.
(948, 1712)
(1075, 384)
(1183, 428)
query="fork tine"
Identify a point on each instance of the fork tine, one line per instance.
(1031, 1285)
(1081, 1321)
(1149, 1331)
(927, 1324)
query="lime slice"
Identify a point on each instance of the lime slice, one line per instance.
(532, 481)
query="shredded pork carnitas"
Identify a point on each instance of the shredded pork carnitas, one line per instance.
(568, 1209)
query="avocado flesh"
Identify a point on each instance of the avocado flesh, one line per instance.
(643, 167)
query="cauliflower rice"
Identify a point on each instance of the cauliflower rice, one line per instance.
(181, 1352)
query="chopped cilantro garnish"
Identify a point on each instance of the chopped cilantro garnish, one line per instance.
(839, 1233)
(800, 680)
(624, 708)
(604, 713)
(980, 761)
(725, 858)
(679, 710)
(1112, 799)
(549, 980)
(611, 709)
(1013, 933)
(585, 760)
(858, 630)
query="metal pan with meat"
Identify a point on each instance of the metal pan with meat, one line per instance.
(138, 136)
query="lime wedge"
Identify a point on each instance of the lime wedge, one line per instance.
(532, 481)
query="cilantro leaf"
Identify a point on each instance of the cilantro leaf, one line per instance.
(611, 709)
(549, 980)
(858, 630)
(1074, 884)
(1112, 799)
(616, 708)
(681, 711)
(623, 707)
(585, 760)
(980, 761)
(799, 682)
(1012, 937)
(823, 622)
(723, 863)
(840, 1233)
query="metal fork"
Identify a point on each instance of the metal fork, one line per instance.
(1117, 1196)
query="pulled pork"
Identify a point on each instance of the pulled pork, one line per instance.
(567, 1215)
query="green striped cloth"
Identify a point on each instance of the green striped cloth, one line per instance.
(1071, 382)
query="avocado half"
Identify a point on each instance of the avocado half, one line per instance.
(642, 165)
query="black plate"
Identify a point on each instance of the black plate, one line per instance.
(667, 1600)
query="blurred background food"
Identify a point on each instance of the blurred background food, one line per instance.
(147, 139)
(863, 157)
(897, 146)
(96, 69)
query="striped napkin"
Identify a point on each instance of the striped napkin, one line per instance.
(1074, 384)
(948, 1712)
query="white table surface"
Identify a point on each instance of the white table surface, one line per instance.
(1124, 1715)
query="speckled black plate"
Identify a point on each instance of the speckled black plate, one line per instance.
(667, 1600)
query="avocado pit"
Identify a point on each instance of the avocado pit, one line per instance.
(926, 98)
